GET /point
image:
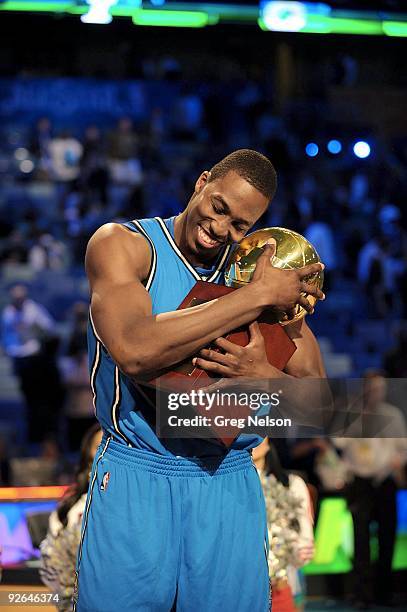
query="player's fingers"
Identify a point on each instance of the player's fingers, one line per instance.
(229, 347)
(290, 313)
(305, 304)
(255, 333)
(265, 258)
(211, 366)
(310, 269)
(222, 358)
(312, 290)
(272, 247)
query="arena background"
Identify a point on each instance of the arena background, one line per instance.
(115, 121)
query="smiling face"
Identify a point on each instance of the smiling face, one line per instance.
(220, 212)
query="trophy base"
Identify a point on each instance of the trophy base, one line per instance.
(186, 377)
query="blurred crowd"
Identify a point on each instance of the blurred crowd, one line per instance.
(61, 184)
(350, 209)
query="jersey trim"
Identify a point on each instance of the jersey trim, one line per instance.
(175, 248)
(94, 371)
(185, 261)
(96, 363)
(116, 404)
(117, 389)
(153, 264)
(220, 265)
(86, 514)
(94, 328)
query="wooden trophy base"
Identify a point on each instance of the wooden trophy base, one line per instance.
(185, 377)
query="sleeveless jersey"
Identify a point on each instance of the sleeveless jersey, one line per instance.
(120, 407)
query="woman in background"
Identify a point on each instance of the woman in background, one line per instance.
(59, 549)
(290, 528)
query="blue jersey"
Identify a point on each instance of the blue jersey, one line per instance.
(120, 405)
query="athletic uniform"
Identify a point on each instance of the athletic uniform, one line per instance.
(168, 524)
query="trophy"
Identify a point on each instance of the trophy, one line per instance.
(291, 251)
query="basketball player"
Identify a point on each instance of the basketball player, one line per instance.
(178, 524)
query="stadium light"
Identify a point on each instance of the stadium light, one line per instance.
(334, 147)
(176, 18)
(284, 16)
(361, 149)
(99, 11)
(312, 149)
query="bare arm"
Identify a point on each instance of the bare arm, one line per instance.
(306, 361)
(141, 343)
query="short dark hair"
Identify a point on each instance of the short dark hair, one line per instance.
(251, 165)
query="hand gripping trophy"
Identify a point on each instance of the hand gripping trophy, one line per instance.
(291, 251)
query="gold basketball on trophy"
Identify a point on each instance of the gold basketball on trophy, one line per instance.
(292, 251)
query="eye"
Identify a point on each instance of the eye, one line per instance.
(218, 209)
(239, 227)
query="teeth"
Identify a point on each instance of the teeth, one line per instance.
(205, 238)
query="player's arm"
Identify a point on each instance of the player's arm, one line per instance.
(306, 362)
(117, 263)
(308, 394)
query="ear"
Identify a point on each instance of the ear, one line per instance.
(202, 180)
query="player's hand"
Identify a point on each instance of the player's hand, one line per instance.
(237, 361)
(283, 289)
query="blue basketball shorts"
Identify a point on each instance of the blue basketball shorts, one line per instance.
(164, 533)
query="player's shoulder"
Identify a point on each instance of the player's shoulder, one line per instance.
(109, 232)
(115, 245)
(115, 235)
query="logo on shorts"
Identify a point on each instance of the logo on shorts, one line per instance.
(105, 481)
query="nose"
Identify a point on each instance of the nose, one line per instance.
(220, 229)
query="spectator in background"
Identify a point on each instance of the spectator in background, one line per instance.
(290, 526)
(359, 190)
(25, 325)
(374, 462)
(79, 408)
(51, 454)
(14, 249)
(4, 463)
(390, 224)
(40, 146)
(156, 130)
(65, 153)
(187, 116)
(60, 547)
(47, 253)
(304, 455)
(395, 361)
(94, 173)
(321, 236)
(124, 163)
(373, 274)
